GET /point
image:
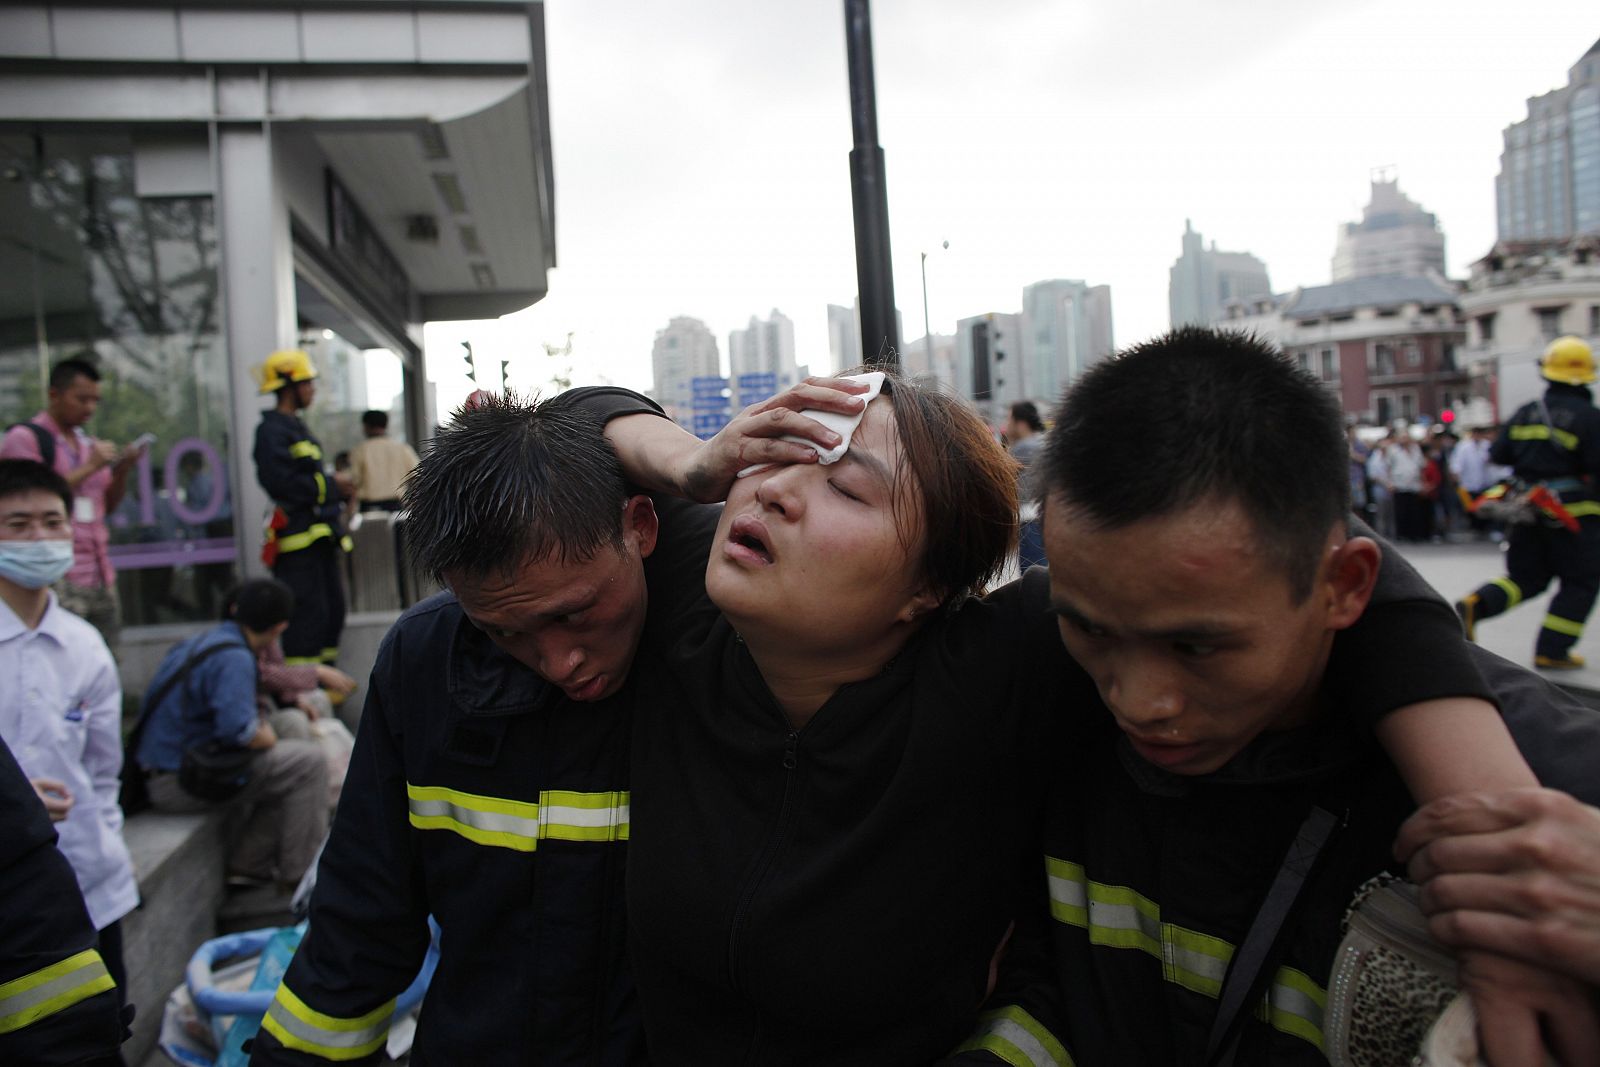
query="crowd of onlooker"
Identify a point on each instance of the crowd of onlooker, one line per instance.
(1415, 488)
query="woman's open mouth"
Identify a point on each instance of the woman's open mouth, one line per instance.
(747, 542)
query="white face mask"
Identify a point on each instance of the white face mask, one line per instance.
(34, 564)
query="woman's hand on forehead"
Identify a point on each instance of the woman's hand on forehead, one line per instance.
(756, 436)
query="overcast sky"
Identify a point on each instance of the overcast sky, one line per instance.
(701, 153)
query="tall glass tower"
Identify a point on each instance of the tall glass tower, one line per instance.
(1549, 181)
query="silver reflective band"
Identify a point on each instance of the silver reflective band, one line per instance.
(51, 989)
(320, 1037)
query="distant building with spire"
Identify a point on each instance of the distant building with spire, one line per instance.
(1395, 236)
(1203, 280)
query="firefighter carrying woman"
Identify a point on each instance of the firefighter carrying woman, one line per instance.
(304, 537)
(1552, 444)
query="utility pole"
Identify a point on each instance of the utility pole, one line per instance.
(880, 335)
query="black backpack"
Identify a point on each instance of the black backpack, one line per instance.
(47, 442)
(134, 796)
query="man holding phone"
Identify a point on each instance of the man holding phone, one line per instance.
(96, 471)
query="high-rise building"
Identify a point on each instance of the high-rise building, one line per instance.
(1549, 181)
(1066, 327)
(988, 363)
(761, 359)
(1204, 279)
(1394, 236)
(766, 346)
(684, 351)
(844, 337)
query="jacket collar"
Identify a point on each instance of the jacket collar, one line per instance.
(483, 681)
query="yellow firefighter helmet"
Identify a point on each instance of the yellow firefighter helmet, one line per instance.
(1569, 360)
(285, 367)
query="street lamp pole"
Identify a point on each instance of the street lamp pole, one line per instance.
(880, 334)
(927, 330)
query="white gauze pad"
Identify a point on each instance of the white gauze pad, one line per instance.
(843, 425)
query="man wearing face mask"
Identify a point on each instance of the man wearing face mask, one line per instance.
(60, 699)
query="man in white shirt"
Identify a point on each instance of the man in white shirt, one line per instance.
(61, 700)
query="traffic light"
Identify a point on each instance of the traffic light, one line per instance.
(472, 369)
(1447, 416)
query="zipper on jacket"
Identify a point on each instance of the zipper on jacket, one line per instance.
(741, 913)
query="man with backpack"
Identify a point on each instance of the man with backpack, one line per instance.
(201, 741)
(97, 474)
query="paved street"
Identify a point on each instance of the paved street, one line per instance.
(1457, 569)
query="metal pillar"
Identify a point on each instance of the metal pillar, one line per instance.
(880, 334)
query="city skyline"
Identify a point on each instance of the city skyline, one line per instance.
(1079, 157)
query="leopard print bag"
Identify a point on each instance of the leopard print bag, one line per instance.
(1393, 997)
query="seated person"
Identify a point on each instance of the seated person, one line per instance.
(1201, 583)
(197, 696)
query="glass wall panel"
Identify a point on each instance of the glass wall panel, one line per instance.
(96, 271)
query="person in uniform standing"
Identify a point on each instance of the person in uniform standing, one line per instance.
(1553, 442)
(304, 536)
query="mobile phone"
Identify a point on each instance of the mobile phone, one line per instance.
(144, 440)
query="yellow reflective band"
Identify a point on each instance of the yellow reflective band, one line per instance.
(301, 661)
(44, 992)
(322, 487)
(305, 450)
(329, 655)
(1118, 917)
(1580, 508)
(1296, 1005)
(1017, 1038)
(1512, 589)
(1541, 432)
(305, 538)
(347, 544)
(300, 1028)
(1563, 626)
(559, 815)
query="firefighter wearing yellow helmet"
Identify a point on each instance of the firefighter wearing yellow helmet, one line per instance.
(304, 537)
(1553, 445)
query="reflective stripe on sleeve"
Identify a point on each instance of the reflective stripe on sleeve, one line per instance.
(1118, 917)
(322, 488)
(305, 450)
(300, 1028)
(559, 815)
(1018, 1038)
(1540, 432)
(36, 996)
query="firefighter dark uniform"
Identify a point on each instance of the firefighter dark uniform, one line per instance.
(480, 795)
(1154, 880)
(304, 537)
(58, 1003)
(1555, 442)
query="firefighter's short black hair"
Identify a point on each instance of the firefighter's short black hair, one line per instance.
(1200, 414)
(510, 481)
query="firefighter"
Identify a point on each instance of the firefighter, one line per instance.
(304, 536)
(58, 1003)
(1553, 445)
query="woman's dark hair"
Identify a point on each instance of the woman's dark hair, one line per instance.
(258, 604)
(967, 482)
(510, 480)
(22, 475)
